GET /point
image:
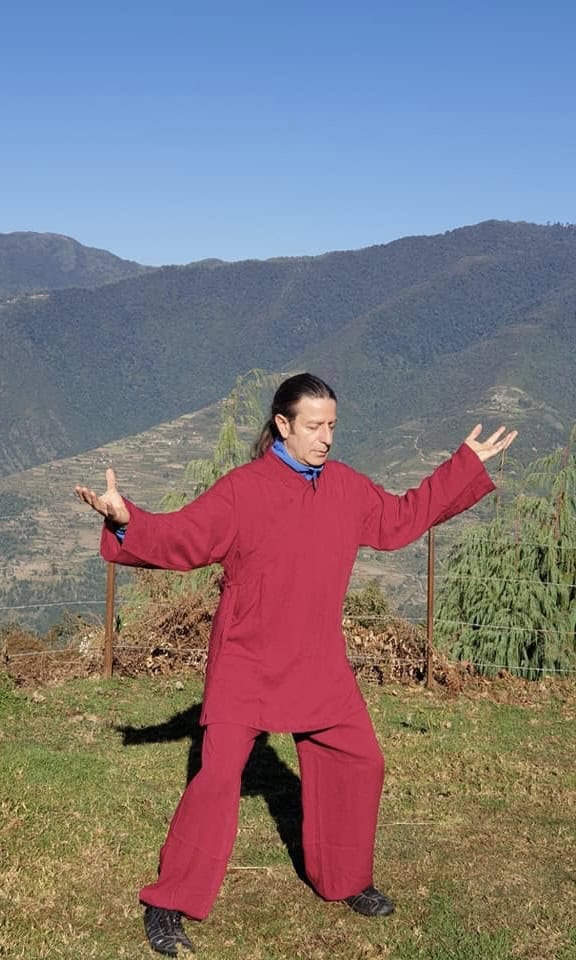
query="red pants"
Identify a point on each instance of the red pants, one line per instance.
(341, 769)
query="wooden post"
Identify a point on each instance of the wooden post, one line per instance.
(109, 622)
(430, 610)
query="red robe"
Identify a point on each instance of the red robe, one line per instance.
(277, 658)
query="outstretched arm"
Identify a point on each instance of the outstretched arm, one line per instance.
(109, 504)
(200, 533)
(392, 521)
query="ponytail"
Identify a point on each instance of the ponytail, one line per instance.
(264, 441)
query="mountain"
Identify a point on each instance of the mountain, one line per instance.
(420, 337)
(35, 262)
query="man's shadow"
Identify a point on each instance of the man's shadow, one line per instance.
(265, 775)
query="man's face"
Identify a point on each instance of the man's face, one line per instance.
(308, 437)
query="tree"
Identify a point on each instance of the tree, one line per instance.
(241, 413)
(242, 410)
(509, 597)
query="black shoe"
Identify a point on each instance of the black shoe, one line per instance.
(165, 931)
(371, 903)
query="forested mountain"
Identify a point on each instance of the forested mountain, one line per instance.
(425, 335)
(33, 262)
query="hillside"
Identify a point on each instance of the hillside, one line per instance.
(33, 262)
(49, 540)
(425, 329)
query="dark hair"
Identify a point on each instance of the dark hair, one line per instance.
(285, 401)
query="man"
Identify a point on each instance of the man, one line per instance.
(286, 529)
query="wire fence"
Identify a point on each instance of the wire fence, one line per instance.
(106, 606)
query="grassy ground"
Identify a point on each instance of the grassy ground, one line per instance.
(476, 844)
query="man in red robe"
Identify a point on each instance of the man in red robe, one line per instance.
(286, 529)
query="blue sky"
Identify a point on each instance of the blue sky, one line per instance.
(166, 133)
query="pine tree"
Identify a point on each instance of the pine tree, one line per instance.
(509, 596)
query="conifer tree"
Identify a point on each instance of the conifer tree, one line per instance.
(243, 408)
(509, 596)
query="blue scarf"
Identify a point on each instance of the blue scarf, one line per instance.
(310, 473)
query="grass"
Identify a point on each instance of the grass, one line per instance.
(477, 837)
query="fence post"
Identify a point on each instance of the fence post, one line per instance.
(430, 609)
(109, 622)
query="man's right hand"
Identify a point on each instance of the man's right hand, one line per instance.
(110, 504)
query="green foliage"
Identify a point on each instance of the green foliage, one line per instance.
(367, 606)
(9, 699)
(509, 597)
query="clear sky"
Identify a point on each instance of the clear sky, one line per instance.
(166, 133)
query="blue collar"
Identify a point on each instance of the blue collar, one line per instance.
(309, 473)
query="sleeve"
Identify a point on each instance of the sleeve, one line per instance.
(200, 533)
(391, 521)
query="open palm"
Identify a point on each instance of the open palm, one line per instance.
(109, 504)
(495, 443)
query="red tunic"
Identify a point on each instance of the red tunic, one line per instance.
(277, 658)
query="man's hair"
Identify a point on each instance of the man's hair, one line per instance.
(286, 399)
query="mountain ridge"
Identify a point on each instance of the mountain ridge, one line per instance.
(33, 262)
(82, 366)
